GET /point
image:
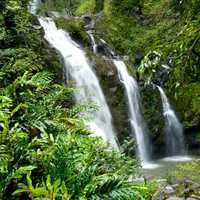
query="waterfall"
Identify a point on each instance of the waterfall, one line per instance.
(33, 6)
(77, 65)
(136, 119)
(94, 45)
(174, 130)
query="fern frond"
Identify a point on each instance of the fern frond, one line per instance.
(41, 80)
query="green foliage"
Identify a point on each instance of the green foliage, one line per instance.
(188, 95)
(57, 5)
(149, 66)
(187, 171)
(48, 190)
(45, 148)
(76, 29)
(87, 6)
(187, 7)
(126, 7)
(159, 26)
(73, 7)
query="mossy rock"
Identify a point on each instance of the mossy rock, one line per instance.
(85, 7)
(75, 27)
(115, 95)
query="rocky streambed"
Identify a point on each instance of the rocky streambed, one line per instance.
(178, 178)
(186, 190)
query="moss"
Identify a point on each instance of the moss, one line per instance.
(88, 6)
(75, 27)
(76, 7)
(54, 5)
(115, 95)
(186, 171)
(188, 95)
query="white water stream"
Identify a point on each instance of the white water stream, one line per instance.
(78, 67)
(173, 129)
(136, 119)
(33, 6)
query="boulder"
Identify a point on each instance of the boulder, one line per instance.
(138, 57)
(192, 183)
(90, 23)
(169, 189)
(186, 193)
(111, 73)
(195, 197)
(113, 90)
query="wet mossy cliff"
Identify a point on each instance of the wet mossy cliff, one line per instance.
(161, 42)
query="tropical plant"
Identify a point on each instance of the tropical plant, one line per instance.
(46, 151)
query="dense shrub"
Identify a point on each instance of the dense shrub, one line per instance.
(127, 7)
(187, 6)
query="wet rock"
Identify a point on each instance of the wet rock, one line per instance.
(103, 50)
(52, 14)
(90, 26)
(90, 23)
(186, 193)
(37, 27)
(174, 198)
(195, 197)
(161, 75)
(192, 183)
(138, 57)
(169, 189)
(87, 19)
(111, 73)
(63, 14)
(158, 196)
(113, 90)
(136, 180)
(125, 58)
(175, 186)
(162, 182)
(35, 21)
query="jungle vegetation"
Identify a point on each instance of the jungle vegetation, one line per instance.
(45, 148)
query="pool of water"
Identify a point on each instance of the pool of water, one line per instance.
(160, 168)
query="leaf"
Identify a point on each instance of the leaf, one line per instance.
(20, 106)
(22, 186)
(56, 184)
(29, 181)
(41, 191)
(23, 170)
(18, 191)
(48, 183)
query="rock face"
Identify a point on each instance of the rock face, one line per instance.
(169, 189)
(90, 22)
(152, 109)
(114, 93)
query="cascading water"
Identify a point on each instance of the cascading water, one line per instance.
(33, 6)
(94, 45)
(136, 119)
(174, 131)
(77, 65)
